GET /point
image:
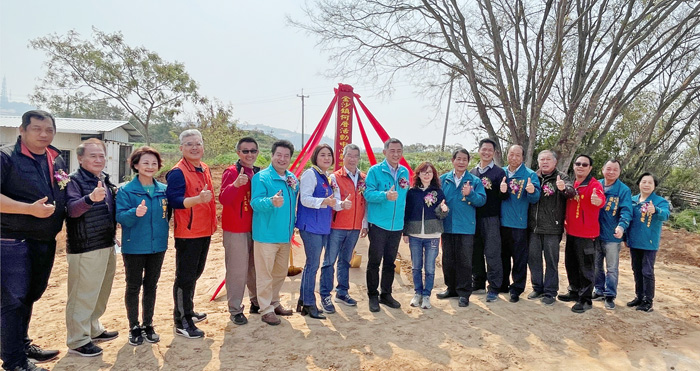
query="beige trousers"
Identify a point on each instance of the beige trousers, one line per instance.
(90, 277)
(271, 263)
(240, 270)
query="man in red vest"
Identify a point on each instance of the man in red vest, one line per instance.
(190, 194)
(347, 226)
(237, 223)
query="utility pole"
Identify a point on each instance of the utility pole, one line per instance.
(302, 96)
(447, 113)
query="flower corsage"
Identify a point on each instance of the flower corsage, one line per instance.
(61, 178)
(403, 183)
(430, 198)
(292, 182)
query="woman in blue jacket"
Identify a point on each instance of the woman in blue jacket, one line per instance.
(314, 213)
(425, 209)
(649, 211)
(142, 213)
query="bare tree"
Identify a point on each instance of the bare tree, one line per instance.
(578, 63)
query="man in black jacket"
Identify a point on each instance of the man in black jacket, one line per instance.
(32, 205)
(546, 224)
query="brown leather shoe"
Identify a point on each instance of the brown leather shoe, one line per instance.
(271, 319)
(281, 311)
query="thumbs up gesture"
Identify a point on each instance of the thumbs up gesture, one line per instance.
(205, 195)
(561, 185)
(443, 207)
(650, 208)
(467, 189)
(530, 188)
(595, 199)
(40, 209)
(141, 209)
(391, 194)
(278, 199)
(504, 185)
(329, 201)
(241, 180)
(346, 204)
(98, 194)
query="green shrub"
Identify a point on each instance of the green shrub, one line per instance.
(688, 219)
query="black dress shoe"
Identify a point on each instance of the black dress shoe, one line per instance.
(634, 303)
(514, 298)
(389, 301)
(38, 355)
(446, 294)
(374, 303)
(254, 309)
(312, 311)
(569, 296)
(463, 301)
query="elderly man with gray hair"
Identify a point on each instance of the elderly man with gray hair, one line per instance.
(546, 223)
(348, 224)
(190, 195)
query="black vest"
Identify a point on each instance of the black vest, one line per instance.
(96, 228)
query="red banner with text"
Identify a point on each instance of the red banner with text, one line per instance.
(343, 127)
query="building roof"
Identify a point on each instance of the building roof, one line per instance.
(80, 126)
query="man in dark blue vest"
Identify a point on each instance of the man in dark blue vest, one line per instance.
(32, 205)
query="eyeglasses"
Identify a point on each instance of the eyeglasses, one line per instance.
(581, 164)
(247, 151)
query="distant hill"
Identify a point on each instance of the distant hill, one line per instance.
(14, 108)
(289, 135)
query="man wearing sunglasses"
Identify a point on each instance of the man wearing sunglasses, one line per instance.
(237, 223)
(582, 231)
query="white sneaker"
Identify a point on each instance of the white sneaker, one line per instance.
(426, 303)
(415, 302)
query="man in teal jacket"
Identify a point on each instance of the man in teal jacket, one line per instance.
(273, 199)
(387, 186)
(523, 188)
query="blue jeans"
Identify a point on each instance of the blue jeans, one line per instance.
(424, 251)
(606, 279)
(341, 243)
(25, 267)
(313, 245)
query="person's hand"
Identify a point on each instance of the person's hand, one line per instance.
(504, 185)
(278, 199)
(141, 209)
(651, 209)
(618, 232)
(205, 195)
(98, 194)
(363, 232)
(595, 199)
(329, 201)
(40, 209)
(241, 180)
(346, 204)
(467, 189)
(391, 194)
(443, 207)
(530, 188)
(561, 185)
(405, 239)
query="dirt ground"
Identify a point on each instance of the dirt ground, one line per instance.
(484, 336)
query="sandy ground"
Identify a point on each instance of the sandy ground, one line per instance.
(500, 335)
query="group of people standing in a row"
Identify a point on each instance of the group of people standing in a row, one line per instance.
(493, 222)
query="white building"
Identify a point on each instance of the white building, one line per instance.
(70, 132)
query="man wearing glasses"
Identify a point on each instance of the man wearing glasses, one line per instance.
(237, 223)
(582, 231)
(189, 193)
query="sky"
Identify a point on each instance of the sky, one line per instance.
(241, 52)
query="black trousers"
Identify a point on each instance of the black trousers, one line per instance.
(514, 246)
(383, 247)
(579, 261)
(190, 257)
(141, 270)
(487, 243)
(457, 251)
(643, 268)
